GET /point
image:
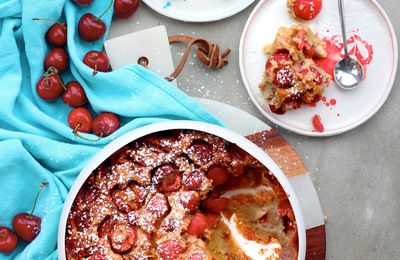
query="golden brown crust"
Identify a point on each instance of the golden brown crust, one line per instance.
(291, 4)
(292, 77)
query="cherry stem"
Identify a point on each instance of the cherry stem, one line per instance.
(108, 8)
(62, 83)
(51, 71)
(75, 132)
(95, 70)
(47, 80)
(50, 20)
(44, 184)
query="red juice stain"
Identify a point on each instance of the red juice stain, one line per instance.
(362, 50)
(317, 123)
(334, 49)
(323, 99)
(358, 47)
(337, 114)
(332, 101)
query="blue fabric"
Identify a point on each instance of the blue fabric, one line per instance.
(36, 143)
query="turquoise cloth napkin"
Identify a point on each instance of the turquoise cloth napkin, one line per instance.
(36, 143)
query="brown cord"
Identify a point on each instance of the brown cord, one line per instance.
(208, 54)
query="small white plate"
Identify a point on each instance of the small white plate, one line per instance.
(367, 19)
(198, 10)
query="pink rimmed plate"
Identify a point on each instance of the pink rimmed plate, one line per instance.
(340, 110)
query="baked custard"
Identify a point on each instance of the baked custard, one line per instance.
(181, 194)
(292, 77)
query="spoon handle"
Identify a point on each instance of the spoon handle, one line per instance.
(343, 25)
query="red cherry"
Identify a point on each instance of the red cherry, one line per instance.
(74, 95)
(171, 182)
(80, 120)
(192, 180)
(157, 205)
(161, 172)
(198, 225)
(284, 77)
(82, 220)
(170, 250)
(50, 86)
(318, 126)
(105, 124)
(8, 240)
(169, 225)
(125, 199)
(216, 205)
(279, 58)
(27, 226)
(92, 28)
(200, 153)
(125, 8)
(88, 194)
(57, 33)
(98, 61)
(57, 58)
(307, 9)
(189, 200)
(319, 80)
(83, 2)
(212, 220)
(105, 227)
(218, 174)
(122, 238)
(279, 111)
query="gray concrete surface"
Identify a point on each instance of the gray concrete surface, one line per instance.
(357, 174)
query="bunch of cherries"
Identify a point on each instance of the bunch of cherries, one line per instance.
(26, 226)
(50, 86)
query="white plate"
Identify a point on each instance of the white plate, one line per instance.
(367, 19)
(198, 10)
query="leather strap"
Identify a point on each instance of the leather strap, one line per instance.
(208, 53)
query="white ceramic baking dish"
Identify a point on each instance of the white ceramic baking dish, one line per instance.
(224, 133)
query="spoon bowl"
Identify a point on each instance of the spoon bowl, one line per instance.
(348, 73)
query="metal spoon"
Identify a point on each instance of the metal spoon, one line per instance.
(348, 72)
